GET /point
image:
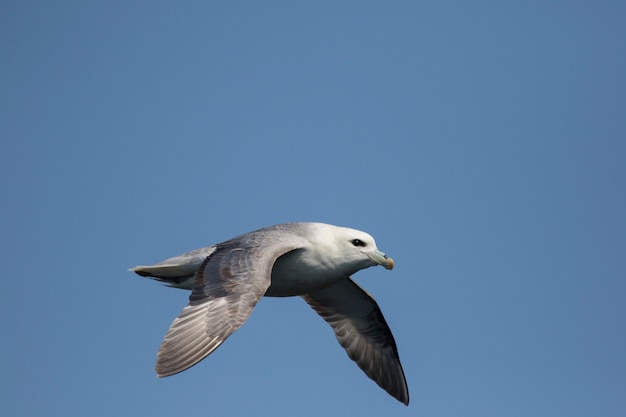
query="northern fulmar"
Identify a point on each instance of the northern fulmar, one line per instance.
(311, 260)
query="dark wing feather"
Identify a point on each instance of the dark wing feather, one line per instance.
(362, 330)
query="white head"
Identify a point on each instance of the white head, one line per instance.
(353, 249)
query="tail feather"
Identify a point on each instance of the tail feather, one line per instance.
(177, 271)
(171, 275)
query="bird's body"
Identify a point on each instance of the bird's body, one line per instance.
(312, 260)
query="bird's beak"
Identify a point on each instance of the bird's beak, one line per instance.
(380, 258)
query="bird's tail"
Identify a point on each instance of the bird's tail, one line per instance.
(178, 271)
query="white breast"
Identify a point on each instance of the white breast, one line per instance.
(296, 273)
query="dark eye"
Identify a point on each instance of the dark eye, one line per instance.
(358, 242)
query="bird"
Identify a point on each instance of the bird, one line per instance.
(312, 260)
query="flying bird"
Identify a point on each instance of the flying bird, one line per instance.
(310, 260)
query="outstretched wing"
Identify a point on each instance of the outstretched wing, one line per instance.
(227, 286)
(363, 332)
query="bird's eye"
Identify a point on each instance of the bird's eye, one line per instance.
(358, 242)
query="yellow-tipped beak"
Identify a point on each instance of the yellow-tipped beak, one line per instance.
(389, 264)
(381, 259)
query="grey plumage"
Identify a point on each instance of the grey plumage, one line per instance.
(313, 260)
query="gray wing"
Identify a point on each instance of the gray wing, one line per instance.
(362, 330)
(228, 285)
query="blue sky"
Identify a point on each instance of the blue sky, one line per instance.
(481, 144)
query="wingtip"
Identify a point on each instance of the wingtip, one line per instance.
(399, 393)
(162, 372)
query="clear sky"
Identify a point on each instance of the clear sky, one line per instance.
(483, 145)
